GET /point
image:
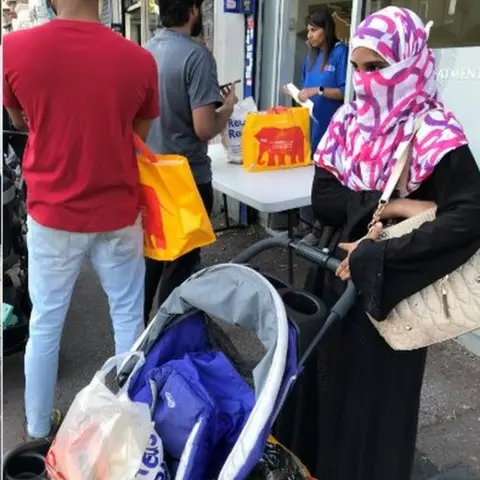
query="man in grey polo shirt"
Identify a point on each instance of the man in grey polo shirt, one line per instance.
(193, 110)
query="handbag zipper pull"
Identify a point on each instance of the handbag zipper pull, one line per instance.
(445, 297)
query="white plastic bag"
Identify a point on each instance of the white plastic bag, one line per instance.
(104, 435)
(232, 135)
(153, 463)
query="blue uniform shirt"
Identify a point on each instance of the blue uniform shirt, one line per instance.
(333, 76)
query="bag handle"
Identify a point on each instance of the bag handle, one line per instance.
(119, 362)
(397, 171)
(141, 147)
(399, 167)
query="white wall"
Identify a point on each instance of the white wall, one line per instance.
(228, 45)
(458, 77)
(277, 51)
(229, 53)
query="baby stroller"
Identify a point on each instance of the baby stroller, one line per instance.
(214, 404)
(212, 392)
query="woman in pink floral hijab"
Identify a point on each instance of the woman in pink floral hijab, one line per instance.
(354, 413)
(359, 147)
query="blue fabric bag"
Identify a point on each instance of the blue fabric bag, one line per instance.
(200, 405)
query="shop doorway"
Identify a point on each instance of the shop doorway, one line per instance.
(283, 36)
(342, 12)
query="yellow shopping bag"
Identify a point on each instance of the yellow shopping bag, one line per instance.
(271, 141)
(174, 217)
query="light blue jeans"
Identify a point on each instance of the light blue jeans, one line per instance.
(55, 259)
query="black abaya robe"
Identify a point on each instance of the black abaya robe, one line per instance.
(353, 414)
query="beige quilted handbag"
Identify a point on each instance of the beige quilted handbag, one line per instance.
(444, 310)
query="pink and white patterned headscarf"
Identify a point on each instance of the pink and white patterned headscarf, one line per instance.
(360, 145)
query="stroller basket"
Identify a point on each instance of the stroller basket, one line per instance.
(214, 404)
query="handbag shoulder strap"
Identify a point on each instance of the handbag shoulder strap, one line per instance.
(402, 162)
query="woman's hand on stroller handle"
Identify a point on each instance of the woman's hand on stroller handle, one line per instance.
(343, 270)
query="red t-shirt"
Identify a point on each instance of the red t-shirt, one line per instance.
(81, 86)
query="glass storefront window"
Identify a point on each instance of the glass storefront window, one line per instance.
(456, 22)
(207, 15)
(133, 19)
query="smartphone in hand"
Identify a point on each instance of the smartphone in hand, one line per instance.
(227, 86)
(228, 93)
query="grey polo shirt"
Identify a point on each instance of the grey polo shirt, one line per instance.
(187, 80)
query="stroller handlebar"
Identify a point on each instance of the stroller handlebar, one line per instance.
(322, 258)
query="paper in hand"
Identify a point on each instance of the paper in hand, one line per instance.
(293, 92)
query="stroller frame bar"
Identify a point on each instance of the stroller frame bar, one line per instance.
(15, 132)
(324, 259)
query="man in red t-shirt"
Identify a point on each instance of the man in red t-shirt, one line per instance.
(81, 90)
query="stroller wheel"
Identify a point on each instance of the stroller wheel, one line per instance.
(27, 461)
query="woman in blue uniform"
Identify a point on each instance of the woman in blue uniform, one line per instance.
(323, 79)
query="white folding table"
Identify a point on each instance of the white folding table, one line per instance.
(268, 192)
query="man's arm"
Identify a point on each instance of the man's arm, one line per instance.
(150, 108)
(208, 122)
(13, 107)
(18, 119)
(205, 96)
(10, 100)
(142, 127)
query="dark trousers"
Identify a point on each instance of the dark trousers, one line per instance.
(166, 276)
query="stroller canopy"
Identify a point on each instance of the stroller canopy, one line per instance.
(234, 295)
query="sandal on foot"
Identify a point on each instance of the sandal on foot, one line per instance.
(57, 419)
